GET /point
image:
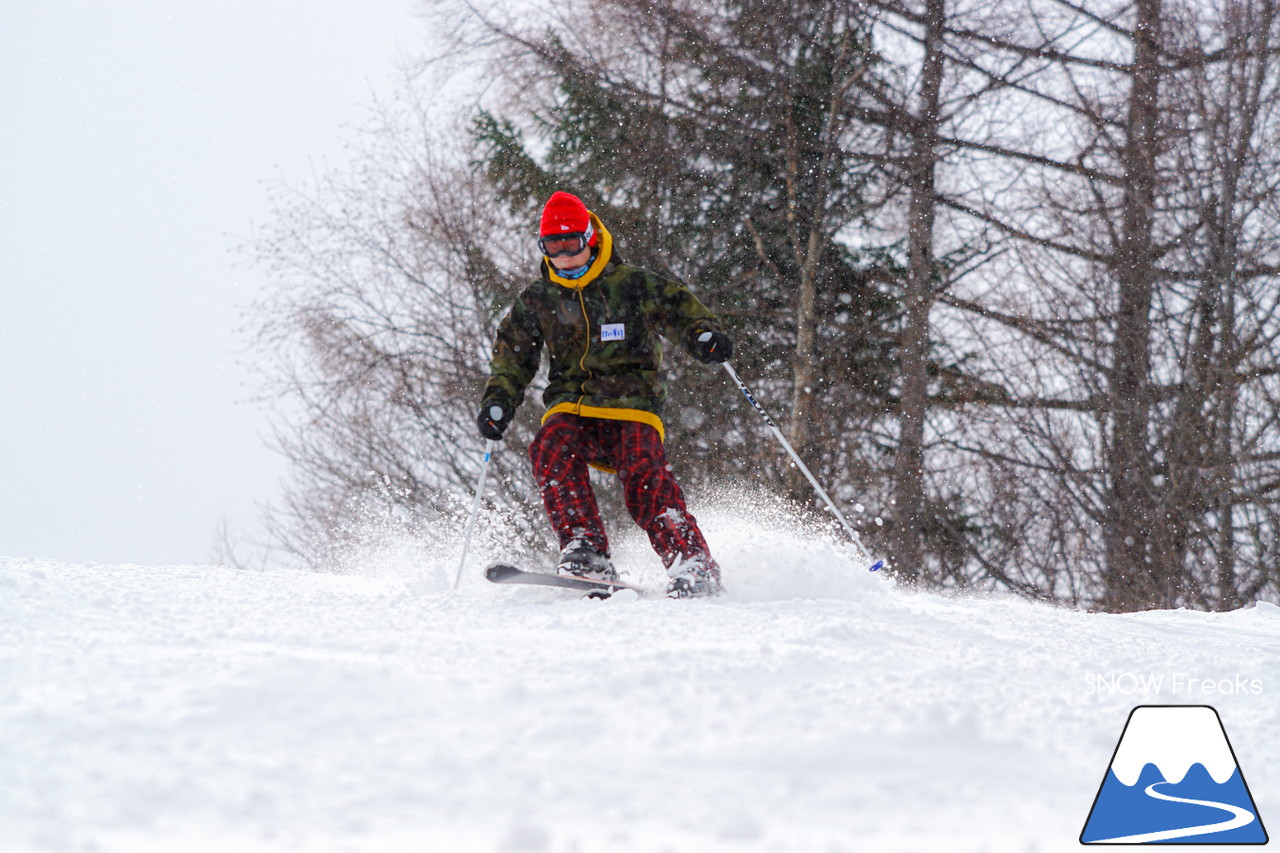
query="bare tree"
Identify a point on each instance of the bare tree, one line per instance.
(1094, 138)
(921, 122)
(377, 332)
(1111, 319)
(1217, 464)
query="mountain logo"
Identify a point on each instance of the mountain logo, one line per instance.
(1174, 779)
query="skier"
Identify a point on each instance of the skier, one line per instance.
(600, 321)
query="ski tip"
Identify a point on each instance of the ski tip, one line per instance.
(498, 572)
(877, 566)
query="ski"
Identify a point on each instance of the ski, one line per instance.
(503, 573)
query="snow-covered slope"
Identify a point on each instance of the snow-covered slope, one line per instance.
(814, 708)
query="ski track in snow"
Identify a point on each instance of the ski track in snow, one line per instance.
(814, 708)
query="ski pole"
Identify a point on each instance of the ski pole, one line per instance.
(475, 508)
(822, 493)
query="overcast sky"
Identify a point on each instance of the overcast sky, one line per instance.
(135, 140)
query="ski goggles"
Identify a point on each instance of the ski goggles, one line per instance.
(562, 244)
(558, 245)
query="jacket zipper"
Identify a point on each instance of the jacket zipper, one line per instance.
(582, 362)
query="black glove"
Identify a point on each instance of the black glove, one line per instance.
(711, 347)
(493, 420)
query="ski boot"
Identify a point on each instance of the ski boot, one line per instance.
(694, 579)
(581, 560)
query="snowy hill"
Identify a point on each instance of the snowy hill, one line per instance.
(814, 708)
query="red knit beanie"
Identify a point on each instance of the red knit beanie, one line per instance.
(566, 214)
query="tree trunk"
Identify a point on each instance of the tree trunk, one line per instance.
(1134, 579)
(909, 489)
(804, 369)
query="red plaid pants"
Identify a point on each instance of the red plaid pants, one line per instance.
(560, 454)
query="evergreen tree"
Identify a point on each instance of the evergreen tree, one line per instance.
(733, 158)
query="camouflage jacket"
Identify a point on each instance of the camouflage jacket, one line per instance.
(602, 333)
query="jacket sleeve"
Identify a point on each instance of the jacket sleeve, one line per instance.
(685, 317)
(517, 351)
